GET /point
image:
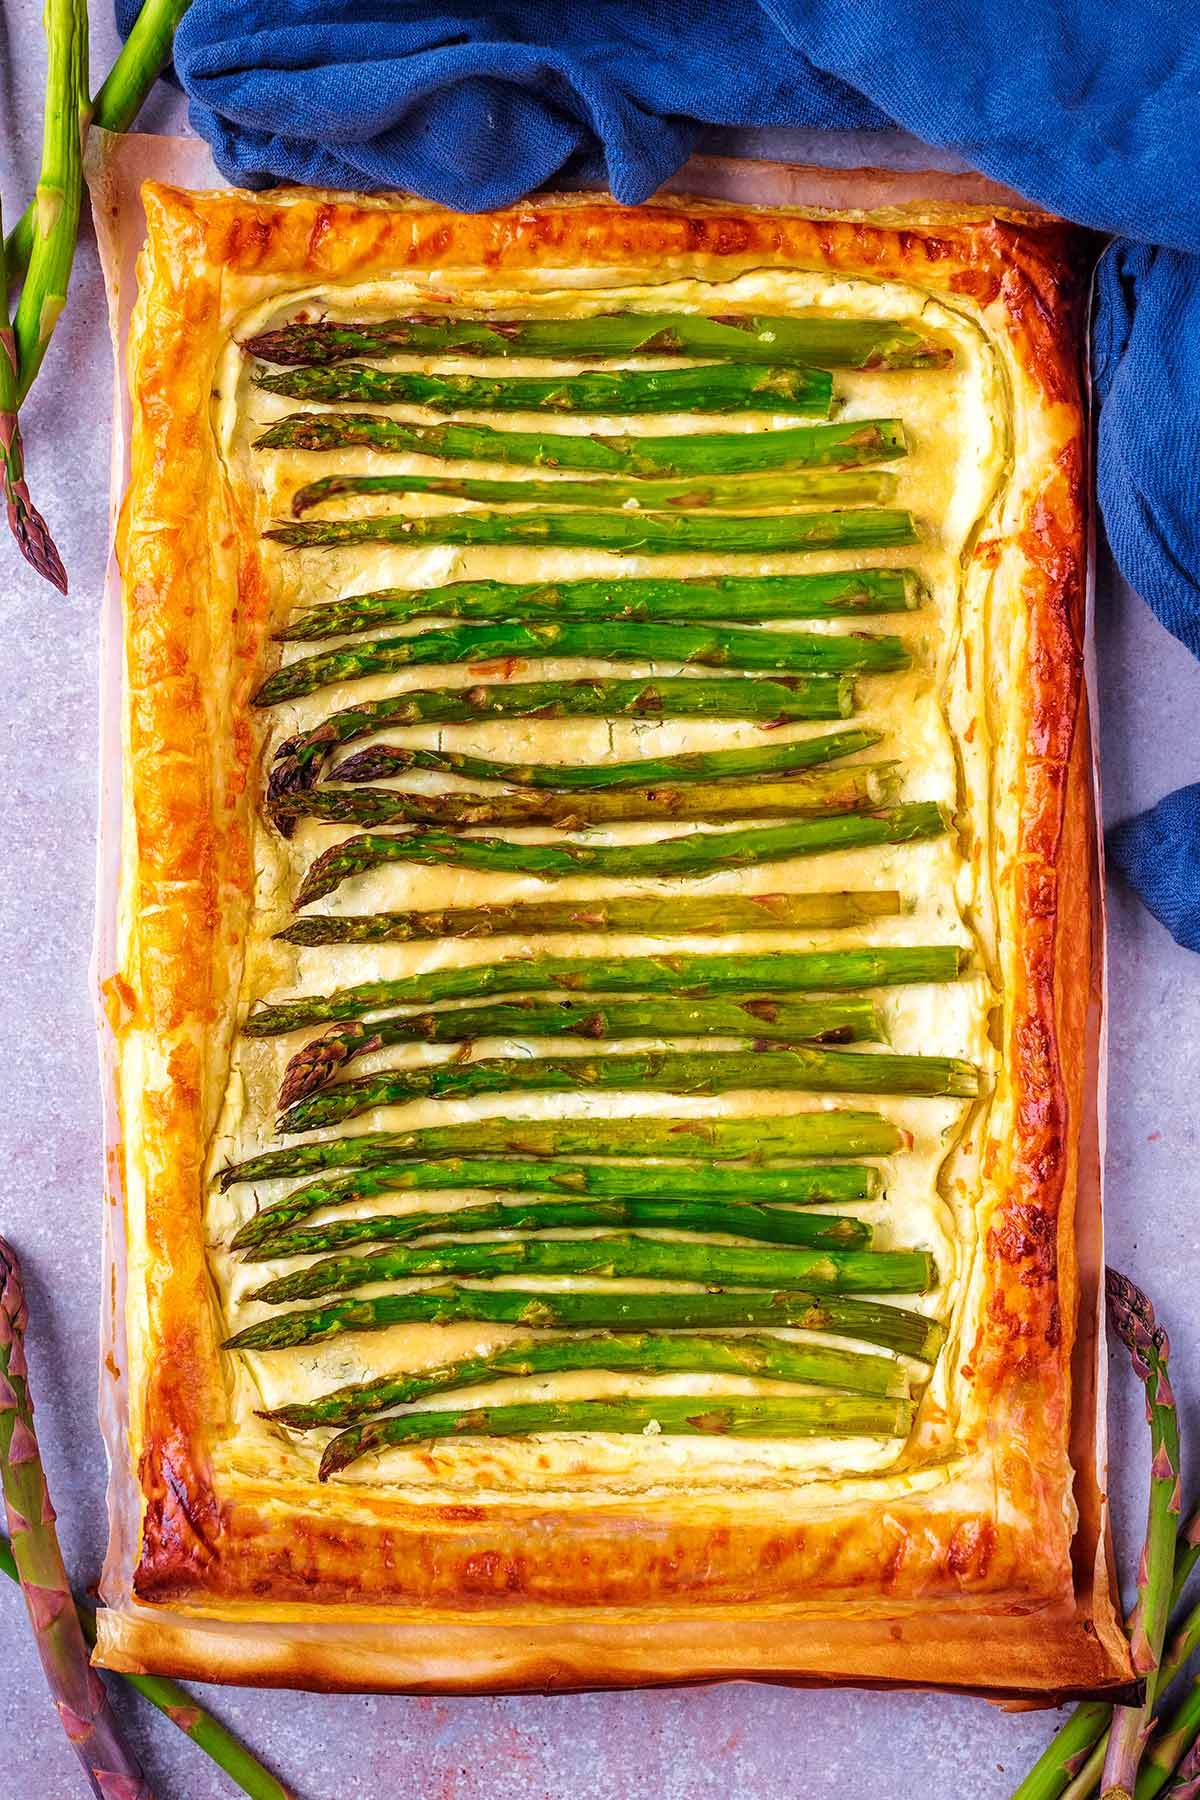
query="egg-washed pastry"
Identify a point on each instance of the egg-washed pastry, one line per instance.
(607, 999)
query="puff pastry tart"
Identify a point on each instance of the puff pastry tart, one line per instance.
(608, 951)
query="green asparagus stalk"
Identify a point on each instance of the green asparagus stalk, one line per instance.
(30, 531)
(842, 446)
(808, 340)
(662, 1183)
(748, 598)
(708, 388)
(694, 856)
(681, 977)
(1066, 1770)
(760, 1020)
(1134, 1322)
(59, 188)
(641, 533)
(747, 1141)
(648, 1071)
(756, 1358)
(607, 1309)
(777, 652)
(617, 1259)
(382, 761)
(79, 1694)
(208, 1734)
(840, 1415)
(736, 493)
(821, 793)
(118, 101)
(766, 1224)
(299, 760)
(1166, 1749)
(715, 914)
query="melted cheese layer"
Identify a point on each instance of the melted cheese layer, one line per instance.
(935, 720)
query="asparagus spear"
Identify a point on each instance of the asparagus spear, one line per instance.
(617, 1259)
(118, 101)
(1186, 1785)
(694, 856)
(757, 1358)
(761, 1020)
(841, 446)
(1065, 1770)
(717, 914)
(749, 1140)
(782, 652)
(608, 1309)
(811, 340)
(79, 1694)
(208, 1734)
(827, 1415)
(59, 188)
(856, 487)
(299, 760)
(747, 598)
(709, 388)
(30, 531)
(639, 533)
(648, 1071)
(382, 761)
(822, 793)
(681, 977)
(1134, 1322)
(768, 1224)
(619, 1182)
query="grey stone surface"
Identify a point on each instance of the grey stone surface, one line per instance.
(735, 1742)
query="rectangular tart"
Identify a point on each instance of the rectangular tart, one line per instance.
(607, 998)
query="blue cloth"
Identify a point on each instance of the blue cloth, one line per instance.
(1091, 107)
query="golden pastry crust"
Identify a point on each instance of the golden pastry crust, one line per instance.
(593, 1589)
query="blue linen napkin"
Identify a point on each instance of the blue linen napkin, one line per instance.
(1090, 107)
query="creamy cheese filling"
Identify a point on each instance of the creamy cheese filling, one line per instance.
(935, 718)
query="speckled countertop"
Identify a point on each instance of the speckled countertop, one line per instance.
(735, 1742)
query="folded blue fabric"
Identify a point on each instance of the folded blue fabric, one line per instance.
(1091, 107)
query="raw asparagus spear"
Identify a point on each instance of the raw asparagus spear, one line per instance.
(381, 761)
(79, 1694)
(208, 1734)
(693, 856)
(777, 652)
(30, 532)
(59, 188)
(757, 1358)
(117, 103)
(1133, 1320)
(748, 598)
(841, 1415)
(709, 388)
(809, 340)
(650, 1071)
(761, 1020)
(841, 446)
(608, 1309)
(298, 761)
(766, 1224)
(734, 493)
(680, 977)
(615, 1259)
(640, 533)
(660, 1182)
(821, 793)
(694, 913)
(746, 1141)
